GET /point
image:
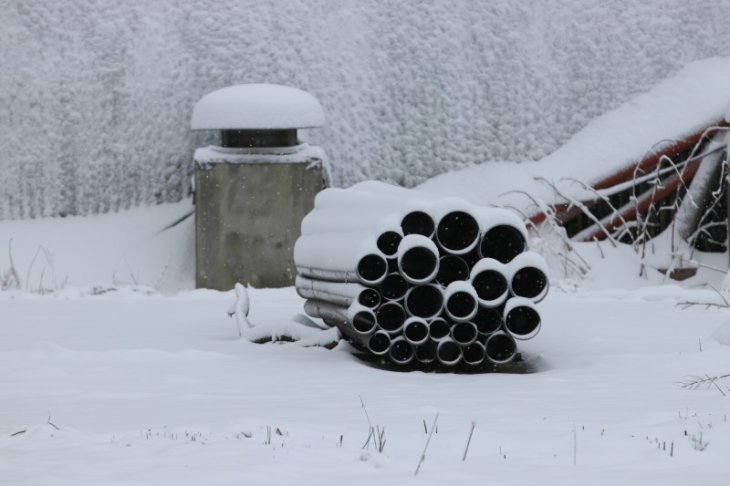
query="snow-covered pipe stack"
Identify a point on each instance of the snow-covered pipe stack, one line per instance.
(416, 278)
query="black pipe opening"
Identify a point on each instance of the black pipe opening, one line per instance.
(401, 351)
(529, 282)
(448, 353)
(418, 263)
(473, 354)
(451, 269)
(364, 322)
(388, 242)
(391, 316)
(522, 320)
(394, 287)
(464, 333)
(416, 331)
(457, 231)
(426, 352)
(439, 328)
(490, 284)
(503, 243)
(417, 223)
(379, 343)
(487, 320)
(424, 301)
(501, 348)
(461, 304)
(369, 298)
(372, 267)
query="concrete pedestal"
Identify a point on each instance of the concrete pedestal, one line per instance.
(248, 217)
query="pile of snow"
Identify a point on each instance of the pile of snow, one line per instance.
(97, 95)
(257, 106)
(133, 247)
(679, 106)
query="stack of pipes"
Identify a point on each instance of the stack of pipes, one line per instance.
(419, 278)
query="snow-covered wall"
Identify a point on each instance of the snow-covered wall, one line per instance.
(96, 95)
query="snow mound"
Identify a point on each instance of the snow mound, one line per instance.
(257, 106)
(679, 106)
(139, 247)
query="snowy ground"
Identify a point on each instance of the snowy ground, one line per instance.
(124, 384)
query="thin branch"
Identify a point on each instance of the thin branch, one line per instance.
(468, 441)
(582, 207)
(428, 441)
(697, 382)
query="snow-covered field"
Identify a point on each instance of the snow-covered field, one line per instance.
(125, 384)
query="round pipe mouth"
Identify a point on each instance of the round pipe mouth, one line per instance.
(426, 352)
(418, 265)
(452, 268)
(502, 243)
(391, 317)
(474, 353)
(388, 242)
(530, 282)
(464, 333)
(460, 301)
(372, 268)
(500, 348)
(448, 353)
(439, 329)
(364, 322)
(424, 301)
(369, 298)
(415, 330)
(401, 351)
(461, 306)
(529, 276)
(394, 287)
(457, 232)
(418, 259)
(418, 223)
(491, 287)
(521, 318)
(488, 320)
(379, 343)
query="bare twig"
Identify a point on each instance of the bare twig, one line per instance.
(468, 441)
(376, 434)
(428, 441)
(697, 382)
(11, 278)
(724, 304)
(584, 209)
(52, 424)
(366, 411)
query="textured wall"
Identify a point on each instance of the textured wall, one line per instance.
(96, 95)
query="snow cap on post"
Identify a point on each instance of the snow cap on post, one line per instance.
(257, 107)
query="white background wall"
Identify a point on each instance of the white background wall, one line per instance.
(96, 95)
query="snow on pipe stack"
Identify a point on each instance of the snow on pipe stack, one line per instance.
(418, 280)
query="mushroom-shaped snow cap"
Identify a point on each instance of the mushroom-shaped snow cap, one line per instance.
(257, 107)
